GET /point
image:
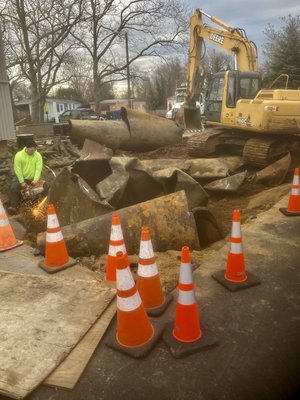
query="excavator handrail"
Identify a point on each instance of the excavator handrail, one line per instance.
(279, 77)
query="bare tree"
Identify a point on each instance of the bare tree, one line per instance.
(36, 35)
(152, 26)
(162, 83)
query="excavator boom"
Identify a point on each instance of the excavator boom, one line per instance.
(232, 40)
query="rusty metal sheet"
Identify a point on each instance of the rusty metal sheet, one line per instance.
(120, 182)
(162, 163)
(213, 168)
(171, 223)
(95, 151)
(137, 131)
(275, 173)
(229, 184)
(130, 183)
(174, 179)
(74, 199)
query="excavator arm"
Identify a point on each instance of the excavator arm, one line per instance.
(232, 40)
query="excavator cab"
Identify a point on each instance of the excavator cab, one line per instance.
(226, 89)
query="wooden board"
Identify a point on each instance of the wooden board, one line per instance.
(70, 370)
(41, 321)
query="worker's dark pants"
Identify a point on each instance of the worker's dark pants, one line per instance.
(15, 192)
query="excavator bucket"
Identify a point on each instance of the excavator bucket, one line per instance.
(188, 117)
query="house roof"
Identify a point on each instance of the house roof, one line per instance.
(48, 100)
(114, 101)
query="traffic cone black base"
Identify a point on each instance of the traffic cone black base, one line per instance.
(289, 214)
(52, 270)
(135, 352)
(252, 280)
(181, 349)
(156, 312)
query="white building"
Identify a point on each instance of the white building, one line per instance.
(52, 108)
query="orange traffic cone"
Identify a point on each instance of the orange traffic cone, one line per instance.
(136, 334)
(294, 200)
(116, 243)
(235, 275)
(186, 336)
(7, 237)
(235, 268)
(187, 324)
(148, 281)
(56, 255)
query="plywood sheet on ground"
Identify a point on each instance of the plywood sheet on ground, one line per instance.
(69, 371)
(41, 320)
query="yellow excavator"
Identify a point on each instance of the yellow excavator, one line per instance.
(262, 124)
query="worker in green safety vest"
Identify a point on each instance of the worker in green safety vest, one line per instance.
(28, 165)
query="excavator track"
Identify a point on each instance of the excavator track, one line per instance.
(256, 151)
(263, 151)
(202, 143)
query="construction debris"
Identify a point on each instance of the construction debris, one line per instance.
(230, 184)
(168, 214)
(274, 174)
(137, 131)
(74, 199)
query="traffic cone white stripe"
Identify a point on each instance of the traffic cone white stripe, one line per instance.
(236, 248)
(147, 265)
(146, 249)
(296, 180)
(7, 237)
(295, 190)
(185, 275)
(124, 279)
(147, 271)
(3, 220)
(186, 298)
(131, 303)
(236, 229)
(53, 237)
(112, 250)
(116, 233)
(52, 221)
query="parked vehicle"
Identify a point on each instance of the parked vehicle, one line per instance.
(171, 114)
(179, 101)
(78, 113)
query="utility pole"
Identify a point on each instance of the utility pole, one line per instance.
(128, 73)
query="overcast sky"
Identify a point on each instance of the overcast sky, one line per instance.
(251, 15)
